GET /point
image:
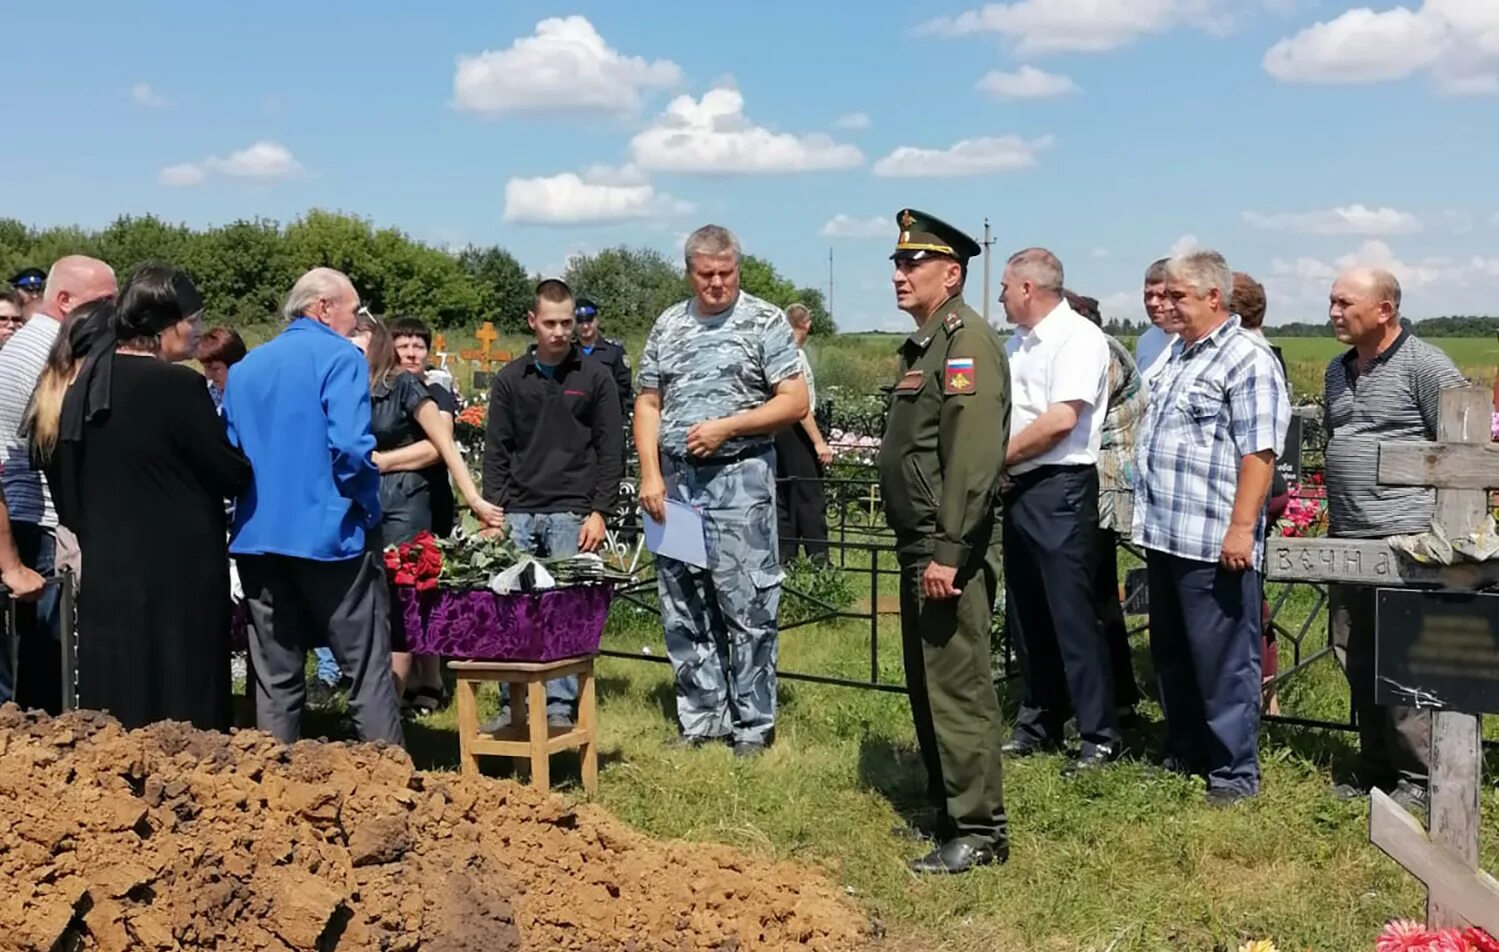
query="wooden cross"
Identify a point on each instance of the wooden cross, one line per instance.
(482, 356)
(1461, 465)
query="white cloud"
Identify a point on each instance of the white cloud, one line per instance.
(1457, 220)
(1456, 41)
(1026, 83)
(182, 175)
(1345, 220)
(1411, 275)
(1048, 26)
(1101, 252)
(713, 136)
(983, 156)
(143, 95)
(264, 161)
(601, 194)
(1186, 244)
(564, 65)
(844, 226)
(852, 121)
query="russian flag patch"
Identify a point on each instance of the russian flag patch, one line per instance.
(957, 375)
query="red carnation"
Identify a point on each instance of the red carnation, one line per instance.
(404, 577)
(1481, 940)
(392, 560)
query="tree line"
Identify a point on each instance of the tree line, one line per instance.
(245, 268)
(1467, 326)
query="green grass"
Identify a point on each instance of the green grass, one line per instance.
(1124, 860)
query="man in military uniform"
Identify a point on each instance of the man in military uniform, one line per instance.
(718, 377)
(940, 469)
(610, 353)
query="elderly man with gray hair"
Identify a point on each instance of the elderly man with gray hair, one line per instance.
(1215, 422)
(299, 407)
(718, 377)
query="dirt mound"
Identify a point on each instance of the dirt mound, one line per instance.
(172, 838)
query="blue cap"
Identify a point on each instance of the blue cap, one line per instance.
(30, 279)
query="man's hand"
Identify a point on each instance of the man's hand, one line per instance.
(591, 535)
(824, 452)
(706, 437)
(379, 459)
(25, 584)
(1238, 549)
(653, 497)
(492, 532)
(937, 581)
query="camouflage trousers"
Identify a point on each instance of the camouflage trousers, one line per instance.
(720, 622)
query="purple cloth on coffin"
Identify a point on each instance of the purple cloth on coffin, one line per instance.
(478, 625)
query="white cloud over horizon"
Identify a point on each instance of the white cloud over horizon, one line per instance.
(263, 161)
(1028, 82)
(713, 136)
(1455, 41)
(142, 94)
(600, 195)
(1080, 26)
(1356, 219)
(846, 226)
(981, 156)
(565, 65)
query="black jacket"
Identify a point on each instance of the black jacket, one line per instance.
(611, 354)
(553, 445)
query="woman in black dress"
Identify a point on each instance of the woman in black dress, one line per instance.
(410, 435)
(141, 470)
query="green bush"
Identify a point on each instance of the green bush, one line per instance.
(811, 588)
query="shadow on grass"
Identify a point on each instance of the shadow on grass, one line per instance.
(895, 771)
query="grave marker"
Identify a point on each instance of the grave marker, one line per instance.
(1460, 465)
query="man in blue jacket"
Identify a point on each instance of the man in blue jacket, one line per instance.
(299, 407)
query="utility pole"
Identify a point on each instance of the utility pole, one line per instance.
(988, 243)
(830, 286)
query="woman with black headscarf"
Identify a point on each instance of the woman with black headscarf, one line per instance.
(144, 466)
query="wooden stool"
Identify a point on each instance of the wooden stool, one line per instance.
(528, 735)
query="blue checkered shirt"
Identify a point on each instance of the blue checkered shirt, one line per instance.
(1215, 402)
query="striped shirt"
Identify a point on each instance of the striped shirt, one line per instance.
(1395, 399)
(21, 362)
(1215, 402)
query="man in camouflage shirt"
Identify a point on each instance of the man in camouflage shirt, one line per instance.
(718, 377)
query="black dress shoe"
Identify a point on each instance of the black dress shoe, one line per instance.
(1227, 797)
(1093, 757)
(958, 856)
(1024, 746)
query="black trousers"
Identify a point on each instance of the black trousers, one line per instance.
(801, 506)
(1051, 565)
(1111, 616)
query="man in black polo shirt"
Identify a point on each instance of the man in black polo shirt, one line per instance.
(1385, 388)
(553, 453)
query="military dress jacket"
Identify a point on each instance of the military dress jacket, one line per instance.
(946, 430)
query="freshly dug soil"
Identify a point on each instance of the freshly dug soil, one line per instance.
(173, 838)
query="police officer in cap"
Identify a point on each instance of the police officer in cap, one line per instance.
(30, 282)
(940, 470)
(610, 353)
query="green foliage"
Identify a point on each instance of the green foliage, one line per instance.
(812, 589)
(631, 286)
(760, 278)
(506, 291)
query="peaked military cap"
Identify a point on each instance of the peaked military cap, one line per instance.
(584, 309)
(923, 235)
(30, 279)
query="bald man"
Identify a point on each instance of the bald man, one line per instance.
(37, 682)
(1385, 388)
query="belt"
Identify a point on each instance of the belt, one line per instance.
(723, 459)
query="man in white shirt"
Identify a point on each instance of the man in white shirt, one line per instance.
(71, 282)
(1153, 348)
(1059, 367)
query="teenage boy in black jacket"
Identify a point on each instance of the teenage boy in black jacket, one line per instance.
(553, 453)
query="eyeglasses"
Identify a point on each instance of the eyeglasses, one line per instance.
(16, 319)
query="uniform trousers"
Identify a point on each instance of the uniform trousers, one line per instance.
(720, 623)
(949, 679)
(1205, 624)
(1051, 564)
(296, 604)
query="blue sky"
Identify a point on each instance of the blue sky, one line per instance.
(1293, 135)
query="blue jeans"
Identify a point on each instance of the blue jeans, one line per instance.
(38, 675)
(547, 535)
(327, 667)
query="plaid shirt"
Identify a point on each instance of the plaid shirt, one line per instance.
(1215, 402)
